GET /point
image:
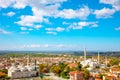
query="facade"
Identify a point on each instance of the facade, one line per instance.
(115, 72)
(22, 71)
(90, 63)
(76, 75)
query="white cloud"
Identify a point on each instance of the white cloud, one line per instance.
(104, 13)
(4, 32)
(115, 3)
(23, 28)
(32, 46)
(20, 4)
(40, 11)
(45, 46)
(24, 32)
(38, 26)
(30, 20)
(81, 25)
(117, 29)
(81, 13)
(30, 29)
(6, 3)
(10, 14)
(65, 23)
(58, 29)
(60, 45)
(50, 32)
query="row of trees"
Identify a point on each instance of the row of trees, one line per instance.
(3, 74)
(62, 70)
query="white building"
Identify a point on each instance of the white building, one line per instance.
(90, 63)
(22, 71)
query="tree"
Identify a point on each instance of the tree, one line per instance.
(41, 66)
(65, 72)
(114, 62)
(86, 74)
(79, 66)
(56, 69)
(62, 66)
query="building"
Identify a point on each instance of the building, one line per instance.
(22, 71)
(76, 75)
(91, 63)
(115, 72)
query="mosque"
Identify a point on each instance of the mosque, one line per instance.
(21, 71)
(91, 63)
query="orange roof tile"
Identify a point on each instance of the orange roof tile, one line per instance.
(115, 69)
(77, 72)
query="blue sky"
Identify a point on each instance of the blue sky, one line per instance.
(60, 25)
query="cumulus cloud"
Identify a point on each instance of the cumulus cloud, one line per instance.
(6, 3)
(38, 26)
(24, 32)
(81, 25)
(10, 14)
(115, 3)
(117, 29)
(4, 32)
(58, 29)
(104, 13)
(45, 46)
(40, 11)
(20, 3)
(81, 13)
(51, 32)
(30, 20)
(23, 28)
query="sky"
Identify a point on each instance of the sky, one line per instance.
(60, 25)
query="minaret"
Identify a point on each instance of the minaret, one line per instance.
(106, 61)
(85, 54)
(35, 64)
(28, 60)
(98, 57)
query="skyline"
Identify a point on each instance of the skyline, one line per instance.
(60, 25)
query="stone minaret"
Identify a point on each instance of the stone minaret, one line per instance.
(85, 54)
(98, 58)
(28, 60)
(35, 64)
(106, 61)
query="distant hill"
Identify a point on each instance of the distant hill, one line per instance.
(77, 53)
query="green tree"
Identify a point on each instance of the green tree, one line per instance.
(41, 66)
(65, 72)
(86, 74)
(62, 66)
(56, 69)
(114, 61)
(79, 66)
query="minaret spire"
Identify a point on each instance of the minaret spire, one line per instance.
(35, 63)
(85, 54)
(28, 60)
(106, 61)
(98, 57)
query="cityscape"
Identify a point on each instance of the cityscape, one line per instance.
(59, 39)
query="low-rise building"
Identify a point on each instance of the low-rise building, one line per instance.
(76, 75)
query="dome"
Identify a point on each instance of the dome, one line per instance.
(23, 68)
(14, 69)
(30, 68)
